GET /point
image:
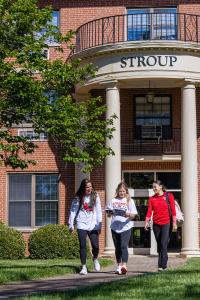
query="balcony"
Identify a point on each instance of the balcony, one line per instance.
(154, 145)
(138, 27)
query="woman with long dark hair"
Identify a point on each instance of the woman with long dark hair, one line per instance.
(162, 206)
(86, 210)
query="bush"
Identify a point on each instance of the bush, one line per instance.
(53, 241)
(12, 244)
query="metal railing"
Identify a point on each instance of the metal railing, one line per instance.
(137, 27)
(152, 146)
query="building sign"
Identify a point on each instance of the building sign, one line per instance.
(138, 61)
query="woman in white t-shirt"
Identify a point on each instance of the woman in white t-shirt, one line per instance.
(86, 209)
(122, 210)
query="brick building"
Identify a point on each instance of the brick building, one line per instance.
(148, 59)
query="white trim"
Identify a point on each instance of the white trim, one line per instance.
(156, 158)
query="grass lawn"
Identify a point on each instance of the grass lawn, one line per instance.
(182, 283)
(27, 269)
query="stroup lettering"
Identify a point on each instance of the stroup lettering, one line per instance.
(148, 61)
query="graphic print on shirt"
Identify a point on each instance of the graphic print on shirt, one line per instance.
(119, 208)
(87, 206)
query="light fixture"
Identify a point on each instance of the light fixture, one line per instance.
(150, 95)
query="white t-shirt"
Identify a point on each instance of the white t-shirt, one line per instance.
(119, 207)
(87, 219)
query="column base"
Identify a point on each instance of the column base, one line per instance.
(109, 252)
(190, 252)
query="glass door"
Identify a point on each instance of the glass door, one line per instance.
(164, 24)
(139, 27)
(152, 24)
(140, 189)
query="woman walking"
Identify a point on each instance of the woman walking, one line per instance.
(122, 210)
(86, 211)
(162, 206)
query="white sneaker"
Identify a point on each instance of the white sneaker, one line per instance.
(97, 266)
(118, 270)
(83, 270)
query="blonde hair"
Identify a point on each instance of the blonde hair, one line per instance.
(123, 184)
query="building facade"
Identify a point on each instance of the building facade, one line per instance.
(147, 55)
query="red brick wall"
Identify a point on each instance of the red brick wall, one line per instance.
(151, 166)
(75, 13)
(72, 15)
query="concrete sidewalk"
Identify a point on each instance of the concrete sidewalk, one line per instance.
(136, 265)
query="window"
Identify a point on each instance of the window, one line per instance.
(153, 117)
(55, 22)
(33, 199)
(32, 135)
(45, 53)
(52, 95)
(139, 180)
(171, 179)
(152, 23)
(142, 207)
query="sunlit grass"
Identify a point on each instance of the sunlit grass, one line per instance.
(27, 269)
(182, 283)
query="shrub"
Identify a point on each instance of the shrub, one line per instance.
(12, 244)
(53, 241)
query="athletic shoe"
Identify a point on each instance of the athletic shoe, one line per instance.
(118, 270)
(83, 270)
(124, 270)
(97, 266)
(161, 269)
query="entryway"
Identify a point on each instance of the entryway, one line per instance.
(139, 183)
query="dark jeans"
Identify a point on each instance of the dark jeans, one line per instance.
(121, 241)
(94, 239)
(161, 233)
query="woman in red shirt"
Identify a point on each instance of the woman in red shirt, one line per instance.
(158, 206)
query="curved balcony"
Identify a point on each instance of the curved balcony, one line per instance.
(138, 27)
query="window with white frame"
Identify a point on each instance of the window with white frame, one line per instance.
(33, 199)
(152, 23)
(32, 135)
(153, 118)
(45, 54)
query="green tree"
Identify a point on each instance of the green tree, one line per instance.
(27, 79)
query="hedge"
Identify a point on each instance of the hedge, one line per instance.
(53, 241)
(12, 244)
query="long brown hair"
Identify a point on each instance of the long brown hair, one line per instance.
(81, 192)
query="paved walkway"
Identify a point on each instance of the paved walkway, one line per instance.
(137, 265)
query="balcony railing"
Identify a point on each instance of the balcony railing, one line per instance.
(138, 27)
(150, 146)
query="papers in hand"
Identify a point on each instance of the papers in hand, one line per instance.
(119, 212)
(116, 212)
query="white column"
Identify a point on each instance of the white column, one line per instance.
(79, 176)
(112, 163)
(190, 243)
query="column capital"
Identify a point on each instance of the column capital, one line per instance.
(110, 83)
(189, 84)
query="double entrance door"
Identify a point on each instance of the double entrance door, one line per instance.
(140, 189)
